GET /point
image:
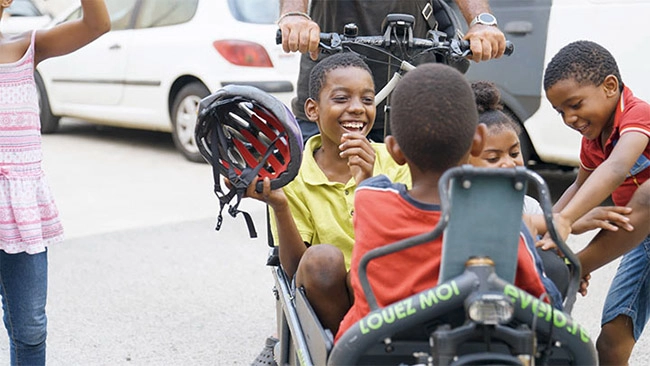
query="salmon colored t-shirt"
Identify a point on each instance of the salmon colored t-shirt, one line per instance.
(407, 272)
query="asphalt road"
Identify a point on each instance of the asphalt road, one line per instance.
(143, 278)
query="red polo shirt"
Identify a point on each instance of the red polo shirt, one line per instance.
(632, 115)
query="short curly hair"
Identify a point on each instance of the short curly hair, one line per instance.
(582, 61)
(318, 75)
(433, 116)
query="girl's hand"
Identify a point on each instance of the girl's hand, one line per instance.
(609, 218)
(356, 148)
(563, 228)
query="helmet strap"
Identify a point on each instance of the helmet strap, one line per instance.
(239, 182)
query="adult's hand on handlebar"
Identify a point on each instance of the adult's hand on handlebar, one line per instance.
(486, 42)
(300, 34)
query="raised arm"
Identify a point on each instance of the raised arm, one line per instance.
(486, 41)
(72, 35)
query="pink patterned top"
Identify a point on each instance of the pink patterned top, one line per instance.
(29, 219)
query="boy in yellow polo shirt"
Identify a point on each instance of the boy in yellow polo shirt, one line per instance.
(317, 206)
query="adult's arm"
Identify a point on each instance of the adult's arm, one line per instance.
(299, 32)
(486, 41)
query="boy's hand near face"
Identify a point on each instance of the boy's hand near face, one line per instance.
(356, 148)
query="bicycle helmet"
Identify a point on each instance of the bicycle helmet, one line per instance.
(244, 132)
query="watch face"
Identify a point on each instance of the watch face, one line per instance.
(486, 18)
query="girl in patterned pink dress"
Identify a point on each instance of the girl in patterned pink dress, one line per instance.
(29, 219)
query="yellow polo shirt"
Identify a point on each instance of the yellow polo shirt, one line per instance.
(322, 209)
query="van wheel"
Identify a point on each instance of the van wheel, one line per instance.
(527, 150)
(184, 113)
(49, 122)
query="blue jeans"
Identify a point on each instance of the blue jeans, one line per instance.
(629, 293)
(23, 286)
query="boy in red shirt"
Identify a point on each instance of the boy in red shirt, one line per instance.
(434, 124)
(584, 85)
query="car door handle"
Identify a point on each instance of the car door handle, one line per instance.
(115, 47)
(518, 27)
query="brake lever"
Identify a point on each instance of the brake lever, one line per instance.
(456, 48)
(335, 44)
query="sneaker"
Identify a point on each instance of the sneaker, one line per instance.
(266, 356)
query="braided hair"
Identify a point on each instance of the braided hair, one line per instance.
(490, 108)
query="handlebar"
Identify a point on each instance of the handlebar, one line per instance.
(334, 42)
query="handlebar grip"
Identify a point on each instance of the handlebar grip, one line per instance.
(464, 44)
(323, 36)
(510, 47)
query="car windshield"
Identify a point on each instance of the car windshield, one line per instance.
(23, 8)
(255, 11)
(160, 13)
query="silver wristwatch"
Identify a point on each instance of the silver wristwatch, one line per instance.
(485, 19)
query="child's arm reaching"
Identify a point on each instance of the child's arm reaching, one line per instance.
(604, 217)
(592, 188)
(600, 250)
(603, 180)
(72, 35)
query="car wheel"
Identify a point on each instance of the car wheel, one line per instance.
(49, 122)
(184, 113)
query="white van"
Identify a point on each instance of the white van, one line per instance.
(538, 29)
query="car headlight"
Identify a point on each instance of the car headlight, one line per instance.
(490, 308)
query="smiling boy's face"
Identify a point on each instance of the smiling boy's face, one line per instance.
(346, 104)
(585, 107)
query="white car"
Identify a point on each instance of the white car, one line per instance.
(538, 30)
(22, 16)
(160, 59)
